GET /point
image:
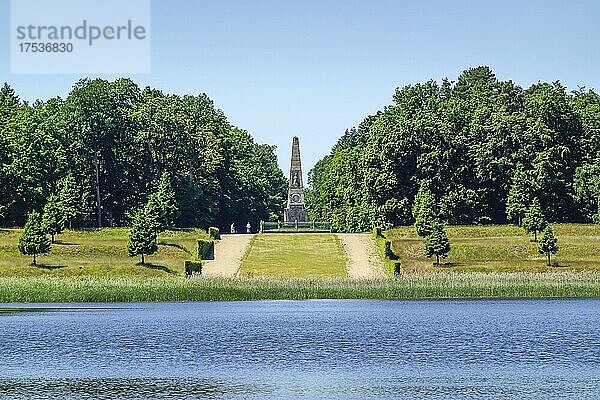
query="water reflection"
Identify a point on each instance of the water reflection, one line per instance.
(124, 388)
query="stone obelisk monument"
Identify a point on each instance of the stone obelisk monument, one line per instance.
(295, 209)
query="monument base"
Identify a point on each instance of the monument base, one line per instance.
(295, 213)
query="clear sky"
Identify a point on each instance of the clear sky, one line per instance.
(313, 68)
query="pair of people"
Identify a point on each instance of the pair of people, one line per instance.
(248, 228)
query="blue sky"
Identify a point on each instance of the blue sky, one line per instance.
(313, 68)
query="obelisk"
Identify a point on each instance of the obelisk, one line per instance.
(295, 209)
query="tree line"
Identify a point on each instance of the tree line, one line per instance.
(101, 153)
(485, 149)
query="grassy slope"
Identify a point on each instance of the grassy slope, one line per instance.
(301, 255)
(502, 248)
(97, 253)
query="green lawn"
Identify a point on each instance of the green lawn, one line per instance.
(98, 252)
(299, 255)
(501, 248)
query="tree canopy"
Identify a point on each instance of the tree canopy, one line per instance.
(478, 144)
(107, 147)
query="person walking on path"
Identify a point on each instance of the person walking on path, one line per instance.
(232, 228)
(248, 227)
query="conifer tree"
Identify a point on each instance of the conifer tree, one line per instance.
(516, 204)
(142, 237)
(34, 241)
(69, 198)
(548, 244)
(424, 212)
(162, 204)
(437, 243)
(53, 217)
(534, 220)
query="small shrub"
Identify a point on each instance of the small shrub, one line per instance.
(193, 267)
(214, 233)
(205, 247)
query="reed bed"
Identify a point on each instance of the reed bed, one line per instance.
(441, 285)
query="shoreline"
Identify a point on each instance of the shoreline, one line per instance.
(435, 286)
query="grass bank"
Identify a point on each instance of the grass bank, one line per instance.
(98, 252)
(501, 248)
(441, 285)
(295, 255)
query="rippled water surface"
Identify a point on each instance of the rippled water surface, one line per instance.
(309, 349)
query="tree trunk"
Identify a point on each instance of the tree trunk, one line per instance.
(143, 262)
(438, 259)
(70, 224)
(34, 261)
(519, 221)
(99, 208)
(548, 254)
(535, 235)
(52, 240)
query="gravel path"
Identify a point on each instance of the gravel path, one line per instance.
(228, 255)
(364, 260)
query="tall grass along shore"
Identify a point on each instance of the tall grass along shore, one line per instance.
(441, 285)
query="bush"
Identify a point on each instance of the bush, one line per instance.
(214, 233)
(205, 247)
(193, 267)
(377, 232)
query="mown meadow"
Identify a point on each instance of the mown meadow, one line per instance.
(485, 262)
(295, 255)
(501, 248)
(98, 252)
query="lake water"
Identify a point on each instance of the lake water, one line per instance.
(302, 349)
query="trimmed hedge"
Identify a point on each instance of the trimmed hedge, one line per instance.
(389, 253)
(193, 267)
(390, 259)
(214, 233)
(205, 247)
(397, 268)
